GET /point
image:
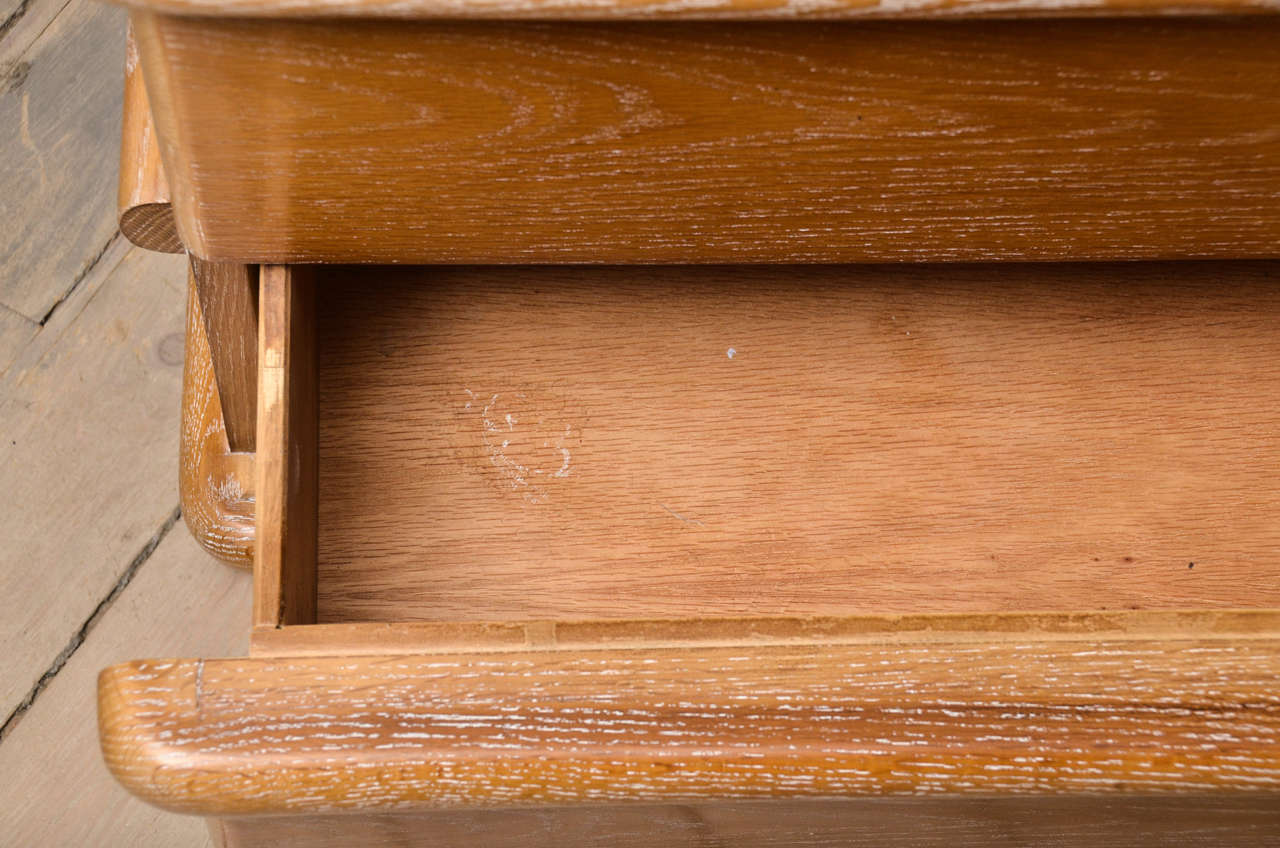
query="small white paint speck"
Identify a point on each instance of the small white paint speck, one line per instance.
(564, 467)
(732, 351)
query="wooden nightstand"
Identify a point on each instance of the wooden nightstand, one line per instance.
(805, 464)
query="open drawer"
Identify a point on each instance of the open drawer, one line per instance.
(814, 555)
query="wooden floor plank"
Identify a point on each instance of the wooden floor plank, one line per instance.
(89, 420)
(15, 331)
(21, 23)
(60, 102)
(56, 791)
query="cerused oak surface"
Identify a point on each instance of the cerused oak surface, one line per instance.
(543, 443)
(216, 484)
(145, 215)
(230, 737)
(395, 141)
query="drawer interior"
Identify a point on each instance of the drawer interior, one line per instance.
(550, 443)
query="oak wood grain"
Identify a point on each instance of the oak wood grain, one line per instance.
(216, 484)
(1047, 822)
(228, 294)
(664, 442)
(145, 215)
(231, 737)
(718, 143)
(284, 582)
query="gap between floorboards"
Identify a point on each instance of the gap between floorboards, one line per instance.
(80, 278)
(78, 638)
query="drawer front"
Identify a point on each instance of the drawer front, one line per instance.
(428, 142)
(678, 725)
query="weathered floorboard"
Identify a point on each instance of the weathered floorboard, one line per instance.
(89, 419)
(60, 103)
(55, 789)
(15, 332)
(21, 22)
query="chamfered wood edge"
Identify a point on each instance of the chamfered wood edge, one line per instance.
(236, 737)
(144, 215)
(216, 485)
(711, 10)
